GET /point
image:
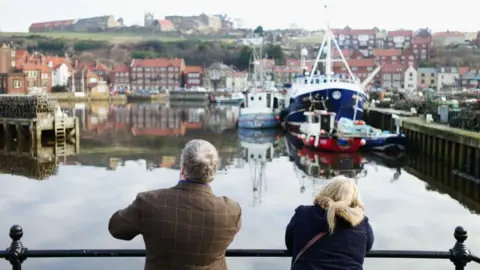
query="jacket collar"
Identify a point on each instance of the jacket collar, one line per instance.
(189, 185)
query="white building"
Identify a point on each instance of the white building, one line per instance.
(447, 78)
(410, 79)
(237, 82)
(60, 74)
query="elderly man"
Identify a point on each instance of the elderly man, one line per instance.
(185, 227)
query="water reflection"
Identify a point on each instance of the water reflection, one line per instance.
(441, 178)
(71, 210)
(314, 168)
(32, 160)
(113, 135)
(258, 148)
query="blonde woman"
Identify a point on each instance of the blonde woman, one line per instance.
(333, 233)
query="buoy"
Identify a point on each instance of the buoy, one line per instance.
(359, 122)
(363, 142)
(322, 131)
(311, 139)
(277, 117)
(299, 137)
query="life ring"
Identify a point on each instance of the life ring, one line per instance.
(359, 122)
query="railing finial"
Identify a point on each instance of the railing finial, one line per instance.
(16, 250)
(460, 254)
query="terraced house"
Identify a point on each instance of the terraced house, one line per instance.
(155, 74)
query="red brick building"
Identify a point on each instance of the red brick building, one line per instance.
(361, 69)
(193, 76)
(392, 75)
(154, 74)
(399, 39)
(421, 47)
(13, 83)
(121, 78)
(38, 76)
(7, 59)
(395, 56)
(356, 39)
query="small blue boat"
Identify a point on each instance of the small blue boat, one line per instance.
(385, 142)
(375, 139)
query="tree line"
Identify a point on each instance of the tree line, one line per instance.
(195, 52)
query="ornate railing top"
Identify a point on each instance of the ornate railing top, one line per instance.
(16, 254)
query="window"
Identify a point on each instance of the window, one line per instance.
(16, 83)
(13, 64)
(411, 74)
(12, 53)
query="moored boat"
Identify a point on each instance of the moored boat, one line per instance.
(342, 93)
(320, 132)
(262, 110)
(263, 102)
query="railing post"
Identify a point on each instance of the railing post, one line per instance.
(16, 250)
(459, 254)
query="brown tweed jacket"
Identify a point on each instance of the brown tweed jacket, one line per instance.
(185, 227)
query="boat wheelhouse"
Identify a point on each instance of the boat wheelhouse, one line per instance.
(319, 132)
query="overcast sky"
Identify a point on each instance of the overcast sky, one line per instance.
(412, 14)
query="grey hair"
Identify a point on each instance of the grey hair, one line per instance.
(199, 161)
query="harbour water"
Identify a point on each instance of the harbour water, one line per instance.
(412, 204)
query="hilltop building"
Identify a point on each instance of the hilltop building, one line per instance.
(96, 24)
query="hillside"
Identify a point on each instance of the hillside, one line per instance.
(118, 48)
(117, 37)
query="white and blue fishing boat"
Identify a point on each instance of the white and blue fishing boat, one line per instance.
(263, 102)
(342, 94)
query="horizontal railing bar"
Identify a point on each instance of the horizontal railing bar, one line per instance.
(475, 258)
(230, 253)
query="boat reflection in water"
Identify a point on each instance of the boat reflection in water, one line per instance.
(318, 167)
(394, 161)
(258, 147)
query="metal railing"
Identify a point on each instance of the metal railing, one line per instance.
(16, 254)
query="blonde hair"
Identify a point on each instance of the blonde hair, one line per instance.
(199, 161)
(340, 198)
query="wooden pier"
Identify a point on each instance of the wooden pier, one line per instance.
(34, 119)
(457, 147)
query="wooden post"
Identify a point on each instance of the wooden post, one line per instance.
(453, 158)
(468, 160)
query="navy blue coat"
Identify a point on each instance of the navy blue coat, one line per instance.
(344, 249)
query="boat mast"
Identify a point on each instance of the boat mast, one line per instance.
(328, 57)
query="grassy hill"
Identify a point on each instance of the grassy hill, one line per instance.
(111, 37)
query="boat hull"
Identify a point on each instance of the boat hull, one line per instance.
(386, 143)
(330, 144)
(340, 101)
(258, 120)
